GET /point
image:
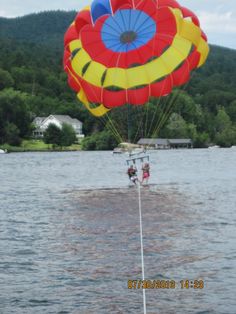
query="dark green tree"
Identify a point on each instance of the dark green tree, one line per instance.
(231, 111)
(12, 134)
(225, 130)
(186, 107)
(176, 127)
(6, 79)
(14, 109)
(52, 135)
(227, 137)
(99, 141)
(222, 120)
(89, 143)
(68, 136)
(201, 140)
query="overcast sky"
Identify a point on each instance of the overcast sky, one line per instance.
(218, 17)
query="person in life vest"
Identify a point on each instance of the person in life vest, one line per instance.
(132, 173)
(146, 172)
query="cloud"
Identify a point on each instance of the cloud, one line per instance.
(3, 13)
(218, 22)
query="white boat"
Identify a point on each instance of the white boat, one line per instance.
(213, 147)
(3, 151)
(128, 149)
(118, 150)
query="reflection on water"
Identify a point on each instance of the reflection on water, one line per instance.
(69, 243)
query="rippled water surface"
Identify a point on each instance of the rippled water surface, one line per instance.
(69, 243)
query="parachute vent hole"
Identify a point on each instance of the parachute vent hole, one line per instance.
(128, 37)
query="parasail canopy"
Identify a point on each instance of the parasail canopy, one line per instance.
(121, 52)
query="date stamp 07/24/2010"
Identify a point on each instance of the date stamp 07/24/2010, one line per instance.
(166, 284)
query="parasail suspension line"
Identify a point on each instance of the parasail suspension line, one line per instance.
(141, 241)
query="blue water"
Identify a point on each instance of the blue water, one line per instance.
(66, 252)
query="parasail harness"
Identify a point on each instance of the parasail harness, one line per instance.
(133, 157)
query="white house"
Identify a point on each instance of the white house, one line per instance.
(42, 124)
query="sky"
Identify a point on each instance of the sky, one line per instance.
(217, 17)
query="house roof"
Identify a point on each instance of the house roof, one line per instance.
(66, 119)
(153, 141)
(39, 120)
(61, 118)
(163, 141)
(180, 141)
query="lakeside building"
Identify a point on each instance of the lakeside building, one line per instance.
(165, 143)
(42, 123)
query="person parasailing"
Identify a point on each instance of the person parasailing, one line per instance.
(146, 172)
(132, 173)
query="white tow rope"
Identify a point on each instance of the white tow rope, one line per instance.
(141, 241)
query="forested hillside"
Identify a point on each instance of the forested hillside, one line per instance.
(32, 83)
(45, 28)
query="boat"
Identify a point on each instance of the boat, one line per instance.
(131, 150)
(3, 151)
(213, 147)
(118, 150)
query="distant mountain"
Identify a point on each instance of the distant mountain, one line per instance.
(44, 28)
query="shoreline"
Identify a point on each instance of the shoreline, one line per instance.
(42, 151)
(28, 146)
(21, 150)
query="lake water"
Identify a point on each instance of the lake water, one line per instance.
(66, 250)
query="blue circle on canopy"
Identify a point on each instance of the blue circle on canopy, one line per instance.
(127, 30)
